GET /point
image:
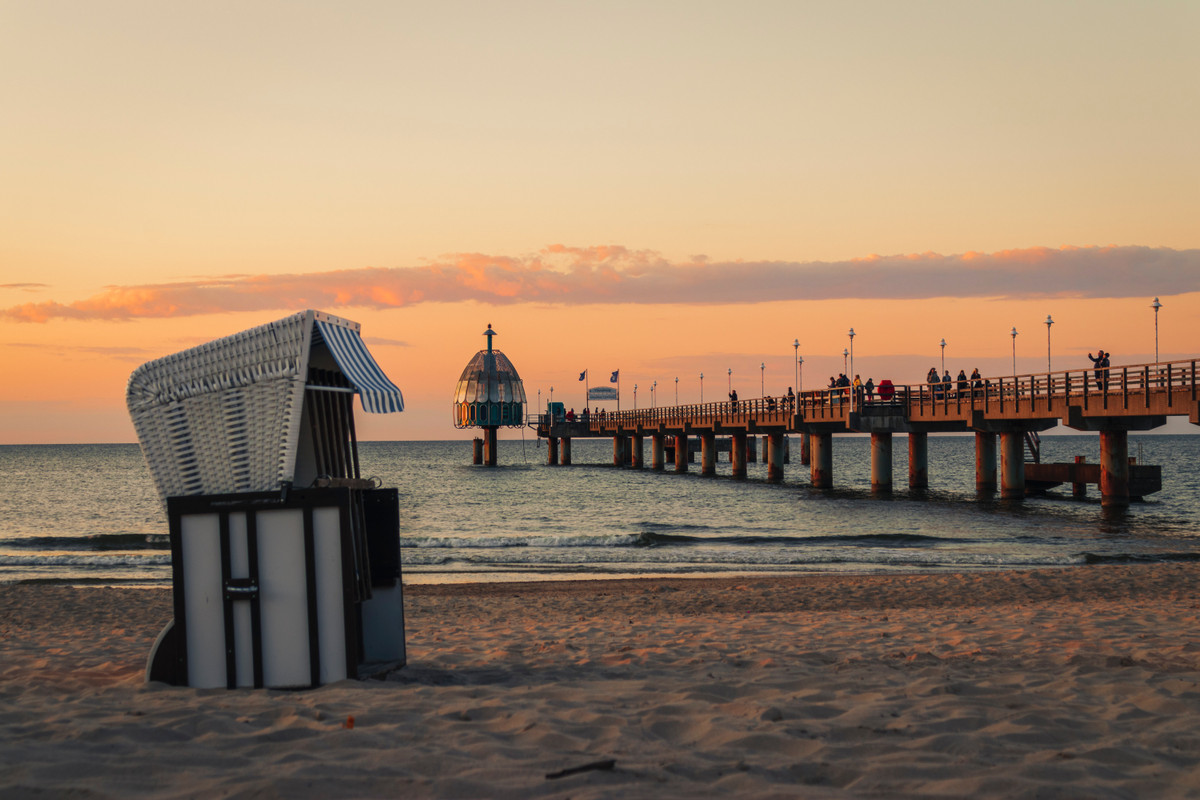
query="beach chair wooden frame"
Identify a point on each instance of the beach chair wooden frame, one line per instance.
(265, 590)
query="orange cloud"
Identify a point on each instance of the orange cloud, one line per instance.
(608, 274)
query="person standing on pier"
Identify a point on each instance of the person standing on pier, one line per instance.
(1101, 362)
(962, 383)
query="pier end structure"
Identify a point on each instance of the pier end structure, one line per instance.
(489, 396)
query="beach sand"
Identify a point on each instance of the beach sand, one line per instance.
(1077, 682)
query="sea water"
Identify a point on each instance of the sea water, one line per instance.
(88, 514)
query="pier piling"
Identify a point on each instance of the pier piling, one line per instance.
(774, 442)
(918, 460)
(737, 454)
(881, 462)
(681, 453)
(1012, 465)
(822, 460)
(985, 461)
(1114, 468)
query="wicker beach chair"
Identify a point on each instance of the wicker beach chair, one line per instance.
(285, 561)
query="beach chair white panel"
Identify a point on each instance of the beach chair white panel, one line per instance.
(283, 589)
(331, 609)
(201, 548)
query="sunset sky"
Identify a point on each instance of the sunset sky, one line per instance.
(664, 188)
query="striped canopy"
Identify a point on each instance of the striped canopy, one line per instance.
(378, 394)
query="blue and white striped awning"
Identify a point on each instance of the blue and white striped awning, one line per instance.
(378, 394)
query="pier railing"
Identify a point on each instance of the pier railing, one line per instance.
(1166, 387)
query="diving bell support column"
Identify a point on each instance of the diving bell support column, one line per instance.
(489, 446)
(552, 450)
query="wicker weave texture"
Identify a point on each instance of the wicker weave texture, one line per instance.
(225, 416)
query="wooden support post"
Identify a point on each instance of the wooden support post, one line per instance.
(1079, 488)
(1012, 465)
(656, 451)
(751, 449)
(477, 451)
(822, 460)
(639, 452)
(681, 453)
(1114, 468)
(985, 461)
(620, 458)
(708, 453)
(566, 451)
(881, 462)
(774, 442)
(552, 450)
(737, 454)
(805, 454)
(918, 461)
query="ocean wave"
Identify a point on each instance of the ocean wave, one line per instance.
(85, 560)
(92, 542)
(653, 539)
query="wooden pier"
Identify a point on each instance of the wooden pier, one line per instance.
(1111, 402)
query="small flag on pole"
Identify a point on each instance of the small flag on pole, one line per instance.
(616, 374)
(582, 374)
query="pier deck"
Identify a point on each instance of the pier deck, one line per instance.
(1111, 403)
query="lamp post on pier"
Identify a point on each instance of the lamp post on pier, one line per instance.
(654, 394)
(845, 355)
(635, 397)
(731, 380)
(1156, 306)
(552, 395)
(943, 345)
(851, 373)
(676, 390)
(762, 379)
(1014, 354)
(1049, 322)
(799, 374)
(796, 364)
(701, 388)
